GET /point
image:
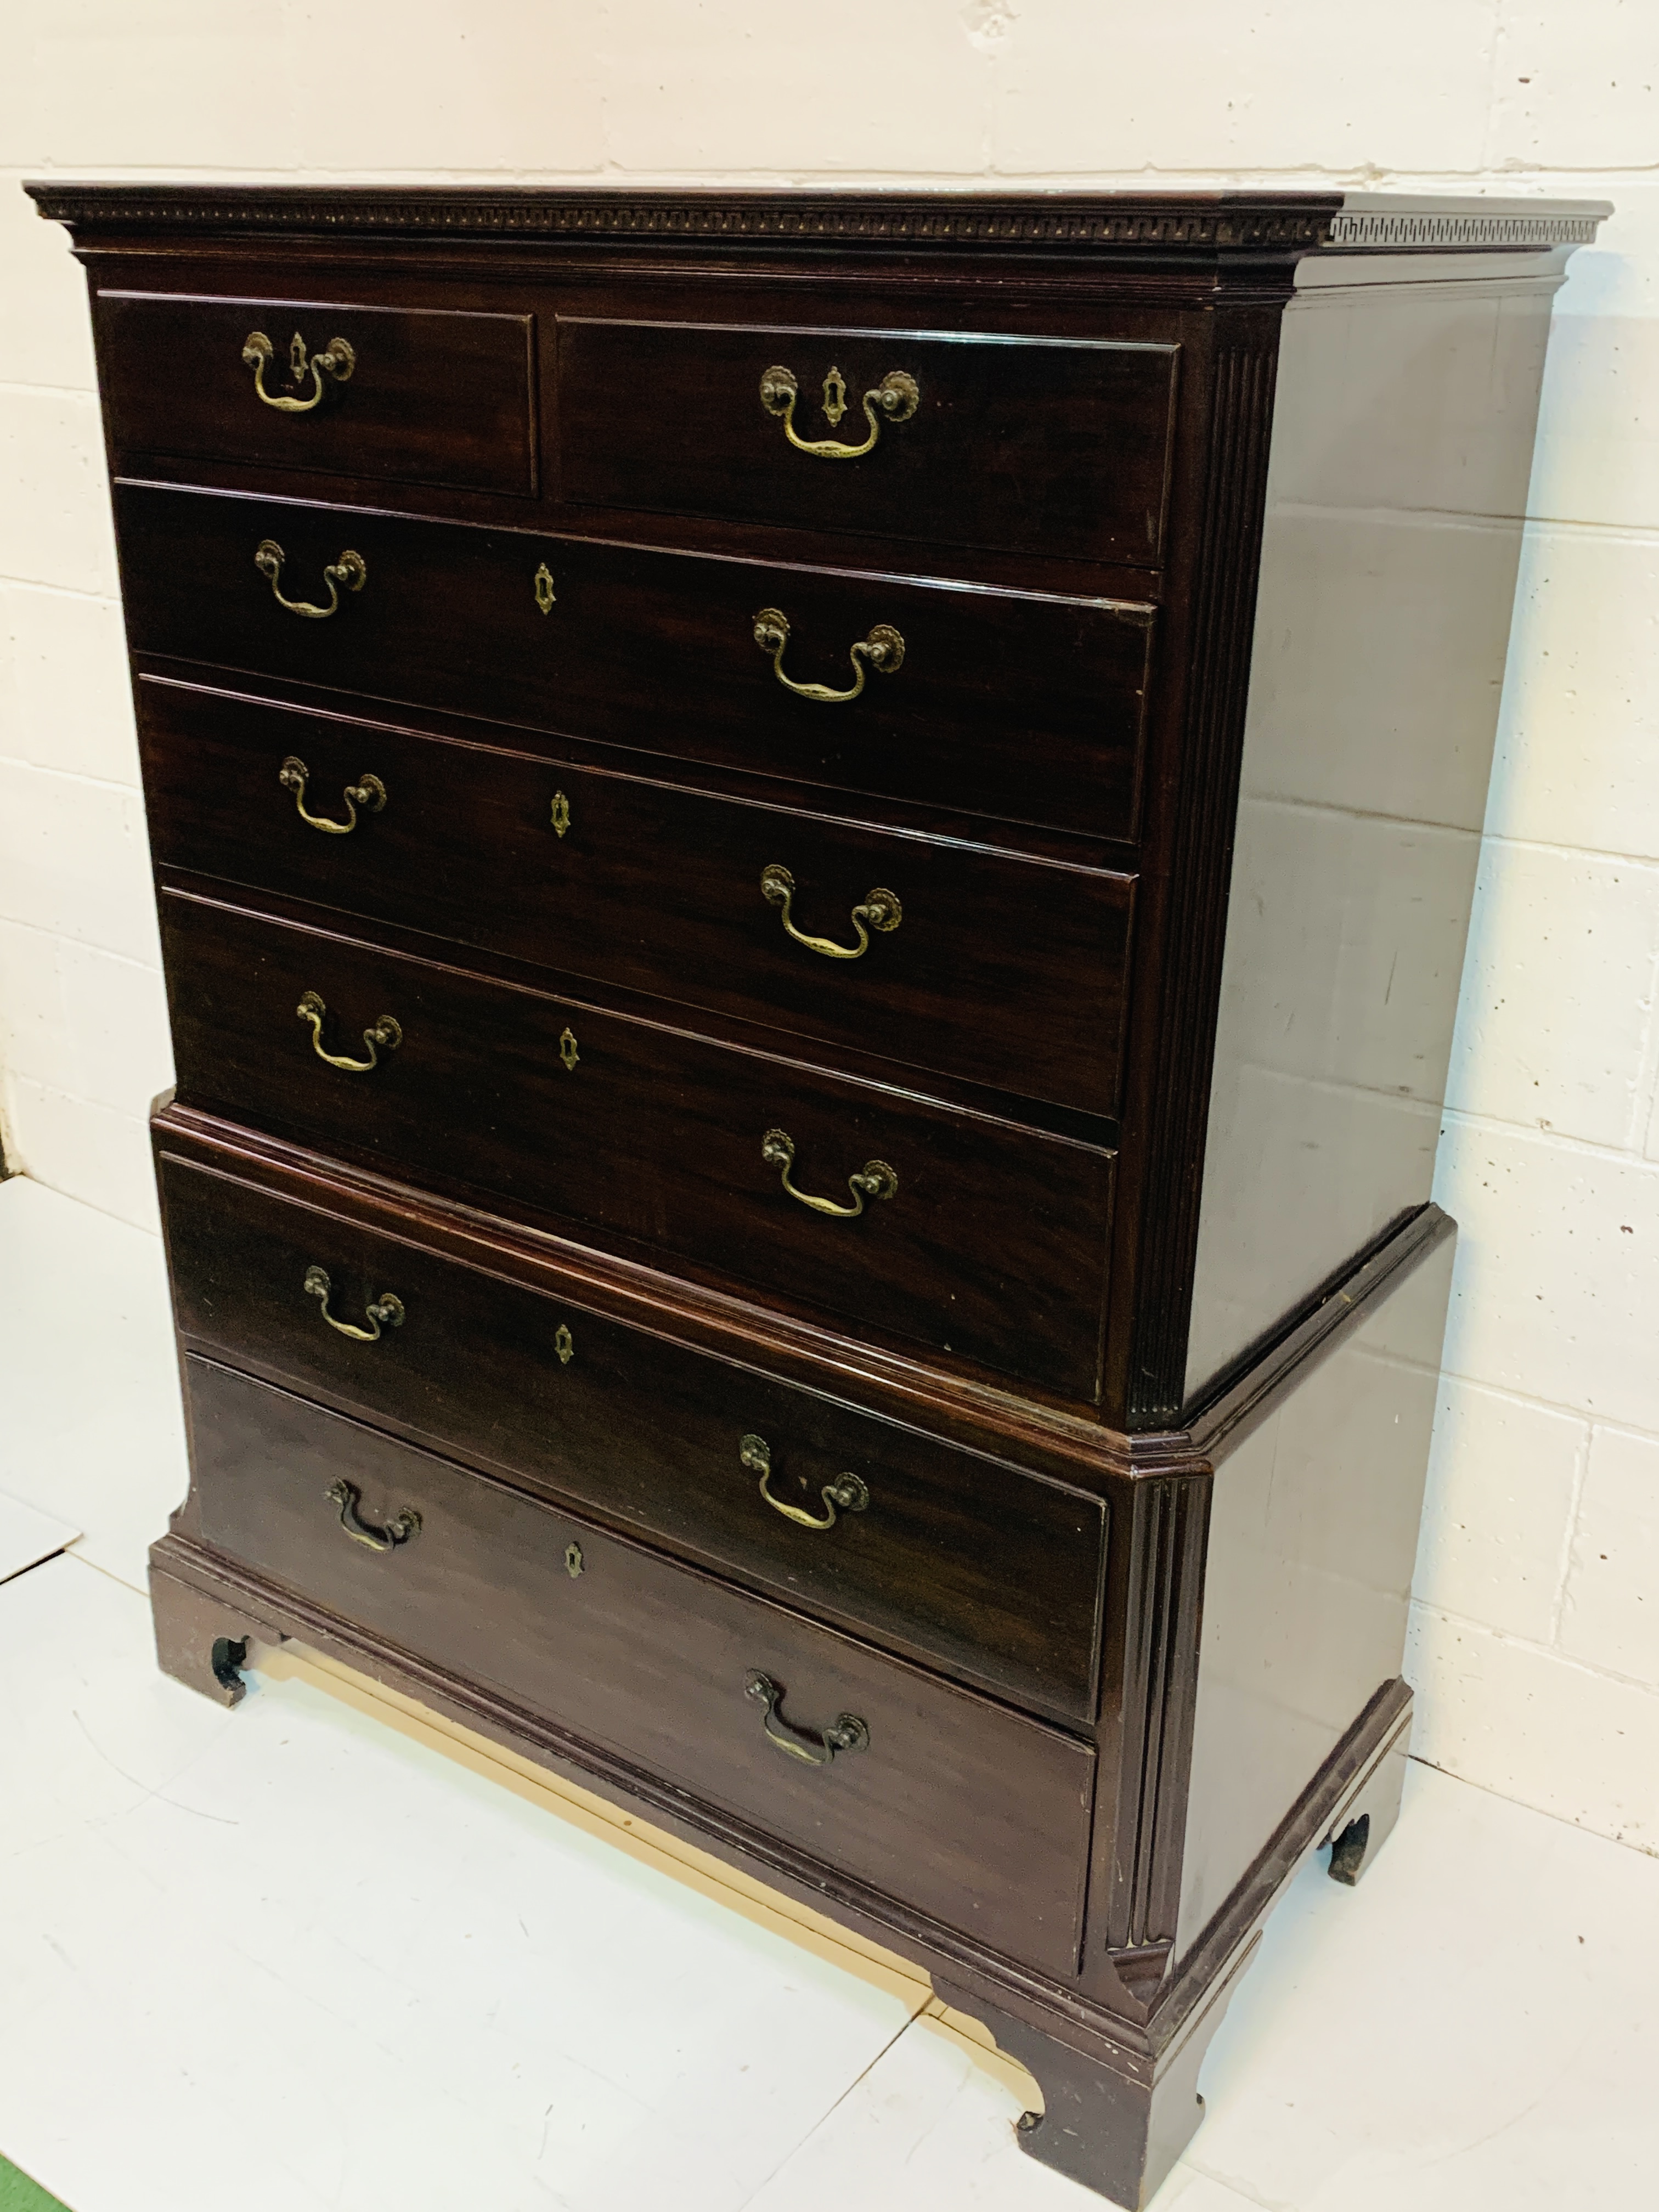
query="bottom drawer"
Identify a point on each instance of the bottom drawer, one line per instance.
(973, 1814)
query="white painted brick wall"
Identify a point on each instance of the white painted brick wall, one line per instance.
(1536, 1638)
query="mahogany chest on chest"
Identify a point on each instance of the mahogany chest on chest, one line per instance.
(813, 855)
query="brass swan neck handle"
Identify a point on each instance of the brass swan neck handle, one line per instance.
(368, 793)
(337, 362)
(881, 910)
(813, 1746)
(882, 650)
(846, 1493)
(384, 1312)
(385, 1037)
(874, 1180)
(350, 569)
(895, 399)
(401, 1528)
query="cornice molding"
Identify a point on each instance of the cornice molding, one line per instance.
(1387, 230)
(1277, 224)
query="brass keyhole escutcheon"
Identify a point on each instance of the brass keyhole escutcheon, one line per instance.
(544, 588)
(567, 1052)
(561, 814)
(835, 397)
(563, 1346)
(573, 1560)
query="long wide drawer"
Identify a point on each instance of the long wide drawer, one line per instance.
(973, 1814)
(961, 1559)
(1008, 973)
(972, 1235)
(414, 394)
(1023, 707)
(1032, 445)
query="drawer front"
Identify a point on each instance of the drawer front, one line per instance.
(418, 395)
(1006, 972)
(1027, 709)
(991, 1246)
(1019, 445)
(964, 1561)
(969, 1812)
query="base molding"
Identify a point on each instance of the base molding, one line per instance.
(1120, 2093)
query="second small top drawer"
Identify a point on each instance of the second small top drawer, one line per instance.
(1050, 446)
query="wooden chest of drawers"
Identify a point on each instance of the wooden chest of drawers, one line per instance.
(813, 855)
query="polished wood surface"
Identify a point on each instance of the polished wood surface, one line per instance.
(1025, 445)
(992, 1246)
(656, 651)
(956, 1558)
(965, 1809)
(1006, 973)
(433, 398)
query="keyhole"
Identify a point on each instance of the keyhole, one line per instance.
(567, 1052)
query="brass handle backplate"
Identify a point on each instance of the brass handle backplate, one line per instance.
(386, 1311)
(895, 399)
(814, 1747)
(369, 793)
(881, 910)
(350, 569)
(401, 1528)
(337, 362)
(385, 1037)
(874, 1180)
(847, 1492)
(882, 650)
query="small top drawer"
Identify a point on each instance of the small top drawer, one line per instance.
(418, 394)
(1015, 445)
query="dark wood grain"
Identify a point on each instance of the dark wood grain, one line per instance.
(1003, 972)
(972, 1811)
(956, 1558)
(434, 397)
(1020, 444)
(992, 1246)
(656, 651)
